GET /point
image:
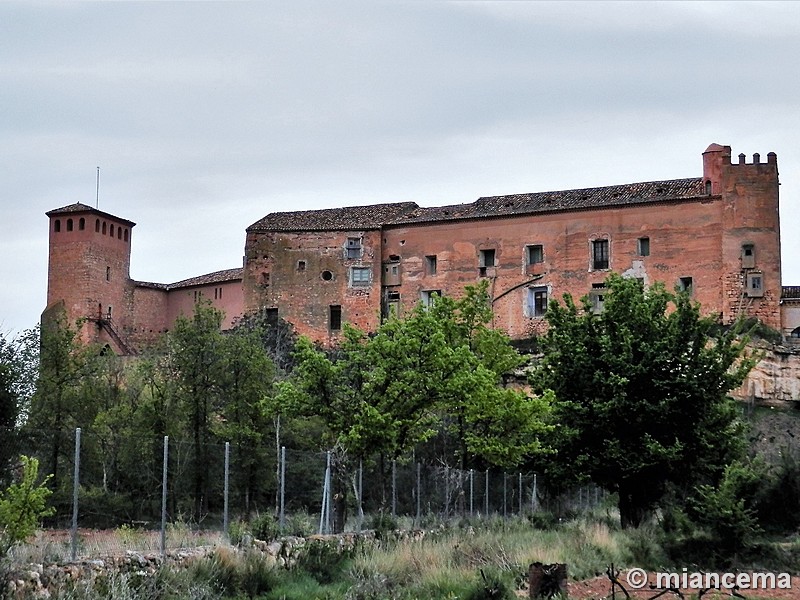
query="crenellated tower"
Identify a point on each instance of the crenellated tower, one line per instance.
(89, 273)
(751, 247)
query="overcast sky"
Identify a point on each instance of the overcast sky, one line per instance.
(204, 117)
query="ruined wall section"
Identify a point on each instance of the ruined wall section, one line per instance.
(304, 274)
(684, 240)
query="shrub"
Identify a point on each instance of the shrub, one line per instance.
(22, 506)
(265, 527)
(490, 587)
(383, 524)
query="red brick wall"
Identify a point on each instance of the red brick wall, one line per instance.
(226, 296)
(301, 295)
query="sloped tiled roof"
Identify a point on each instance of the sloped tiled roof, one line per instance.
(407, 213)
(587, 198)
(79, 207)
(334, 219)
(207, 279)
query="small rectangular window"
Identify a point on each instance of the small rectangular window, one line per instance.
(755, 285)
(487, 258)
(301, 265)
(427, 297)
(360, 276)
(535, 254)
(537, 302)
(335, 317)
(685, 284)
(599, 254)
(353, 248)
(597, 297)
(430, 264)
(644, 246)
(748, 256)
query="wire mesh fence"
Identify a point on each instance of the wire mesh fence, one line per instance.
(157, 494)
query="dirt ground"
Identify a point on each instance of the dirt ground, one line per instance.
(599, 588)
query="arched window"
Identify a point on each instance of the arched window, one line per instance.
(69, 224)
(82, 224)
(97, 225)
(119, 233)
(104, 227)
(708, 188)
(57, 225)
(795, 333)
(112, 230)
(126, 234)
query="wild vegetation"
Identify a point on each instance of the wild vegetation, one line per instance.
(633, 399)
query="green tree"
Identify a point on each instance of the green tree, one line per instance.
(22, 505)
(642, 394)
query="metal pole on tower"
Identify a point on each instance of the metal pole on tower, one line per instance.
(97, 190)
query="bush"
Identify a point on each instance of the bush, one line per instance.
(383, 524)
(490, 587)
(22, 506)
(265, 527)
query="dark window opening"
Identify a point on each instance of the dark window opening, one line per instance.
(748, 256)
(301, 265)
(104, 227)
(708, 188)
(69, 224)
(97, 225)
(334, 317)
(57, 225)
(599, 254)
(326, 276)
(353, 248)
(82, 224)
(111, 230)
(119, 233)
(487, 258)
(265, 279)
(644, 246)
(125, 235)
(430, 264)
(108, 273)
(535, 254)
(685, 284)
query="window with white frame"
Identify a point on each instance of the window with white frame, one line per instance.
(360, 276)
(536, 301)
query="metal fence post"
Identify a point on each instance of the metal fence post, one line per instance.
(225, 488)
(283, 488)
(471, 492)
(394, 488)
(75, 487)
(419, 493)
(164, 498)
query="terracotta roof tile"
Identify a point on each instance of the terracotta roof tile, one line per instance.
(207, 279)
(79, 207)
(587, 198)
(334, 219)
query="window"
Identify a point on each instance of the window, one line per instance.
(755, 285)
(748, 256)
(685, 284)
(427, 297)
(795, 333)
(487, 258)
(599, 254)
(360, 276)
(264, 279)
(69, 224)
(534, 254)
(536, 302)
(82, 224)
(644, 246)
(104, 227)
(125, 235)
(708, 188)
(326, 276)
(597, 297)
(430, 264)
(301, 265)
(57, 225)
(119, 233)
(97, 225)
(108, 273)
(108, 314)
(392, 304)
(353, 248)
(334, 317)
(111, 231)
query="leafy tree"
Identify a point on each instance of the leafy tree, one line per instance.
(641, 392)
(22, 505)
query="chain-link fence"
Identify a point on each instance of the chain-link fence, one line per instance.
(154, 494)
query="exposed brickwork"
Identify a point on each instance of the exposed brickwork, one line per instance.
(356, 264)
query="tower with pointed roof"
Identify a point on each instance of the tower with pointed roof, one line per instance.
(89, 273)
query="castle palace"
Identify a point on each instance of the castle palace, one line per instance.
(716, 236)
